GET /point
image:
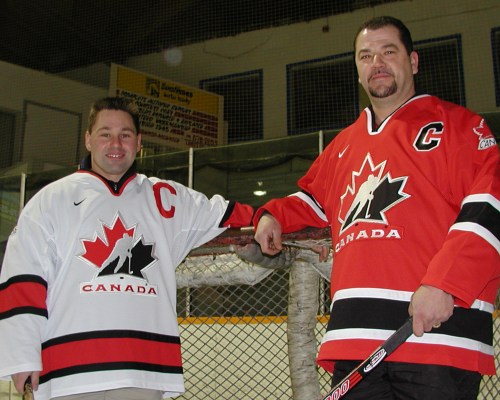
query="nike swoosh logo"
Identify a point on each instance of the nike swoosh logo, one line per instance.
(80, 202)
(341, 153)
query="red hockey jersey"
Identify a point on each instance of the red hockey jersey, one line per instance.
(411, 202)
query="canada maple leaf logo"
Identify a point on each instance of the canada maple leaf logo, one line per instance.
(486, 139)
(478, 130)
(118, 251)
(370, 194)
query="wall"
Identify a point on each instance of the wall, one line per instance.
(22, 86)
(272, 49)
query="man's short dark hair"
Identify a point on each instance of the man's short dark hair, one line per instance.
(114, 103)
(380, 22)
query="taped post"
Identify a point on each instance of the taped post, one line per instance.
(303, 307)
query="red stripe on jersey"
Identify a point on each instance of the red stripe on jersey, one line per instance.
(106, 350)
(22, 294)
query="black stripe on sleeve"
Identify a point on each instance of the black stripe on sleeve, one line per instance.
(227, 214)
(111, 334)
(24, 310)
(313, 200)
(482, 213)
(23, 279)
(115, 366)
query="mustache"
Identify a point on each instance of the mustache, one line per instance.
(380, 71)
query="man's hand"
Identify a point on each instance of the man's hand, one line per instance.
(268, 234)
(429, 307)
(253, 253)
(323, 251)
(20, 378)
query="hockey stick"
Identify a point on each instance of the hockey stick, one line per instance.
(363, 369)
(28, 390)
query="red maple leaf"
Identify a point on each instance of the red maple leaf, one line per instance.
(98, 250)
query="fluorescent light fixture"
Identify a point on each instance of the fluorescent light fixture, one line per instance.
(260, 190)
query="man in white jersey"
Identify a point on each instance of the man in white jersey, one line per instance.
(87, 286)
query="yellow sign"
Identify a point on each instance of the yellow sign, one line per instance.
(172, 114)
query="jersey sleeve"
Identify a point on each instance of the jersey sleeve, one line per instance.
(301, 209)
(202, 218)
(237, 215)
(23, 294)
(468, 262)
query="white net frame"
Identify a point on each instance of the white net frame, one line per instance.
(282, 364)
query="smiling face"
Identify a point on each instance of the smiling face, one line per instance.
(113, 143)
(385, 69)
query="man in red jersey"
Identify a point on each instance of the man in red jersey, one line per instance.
(411, 193)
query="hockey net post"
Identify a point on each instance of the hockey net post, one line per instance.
(219, 263)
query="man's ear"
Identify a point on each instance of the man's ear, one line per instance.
(87, 140)
(139, 142)
(414, 62)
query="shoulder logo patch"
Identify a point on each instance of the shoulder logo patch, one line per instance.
(486, 139)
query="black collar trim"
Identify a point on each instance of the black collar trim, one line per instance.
(115, 187)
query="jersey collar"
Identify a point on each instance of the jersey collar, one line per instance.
(86, 165)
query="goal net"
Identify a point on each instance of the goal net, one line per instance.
(252, 332)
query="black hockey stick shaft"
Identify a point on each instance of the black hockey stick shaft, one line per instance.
(363, 369)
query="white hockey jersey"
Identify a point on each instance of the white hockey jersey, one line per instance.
(87, 287)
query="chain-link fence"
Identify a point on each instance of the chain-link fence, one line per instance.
(240, 340)
(243, 355)
(238, 335)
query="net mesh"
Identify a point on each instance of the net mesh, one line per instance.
(257, 55)
(285, 71)
(244, 339)
(234, 316)
(236, 332)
